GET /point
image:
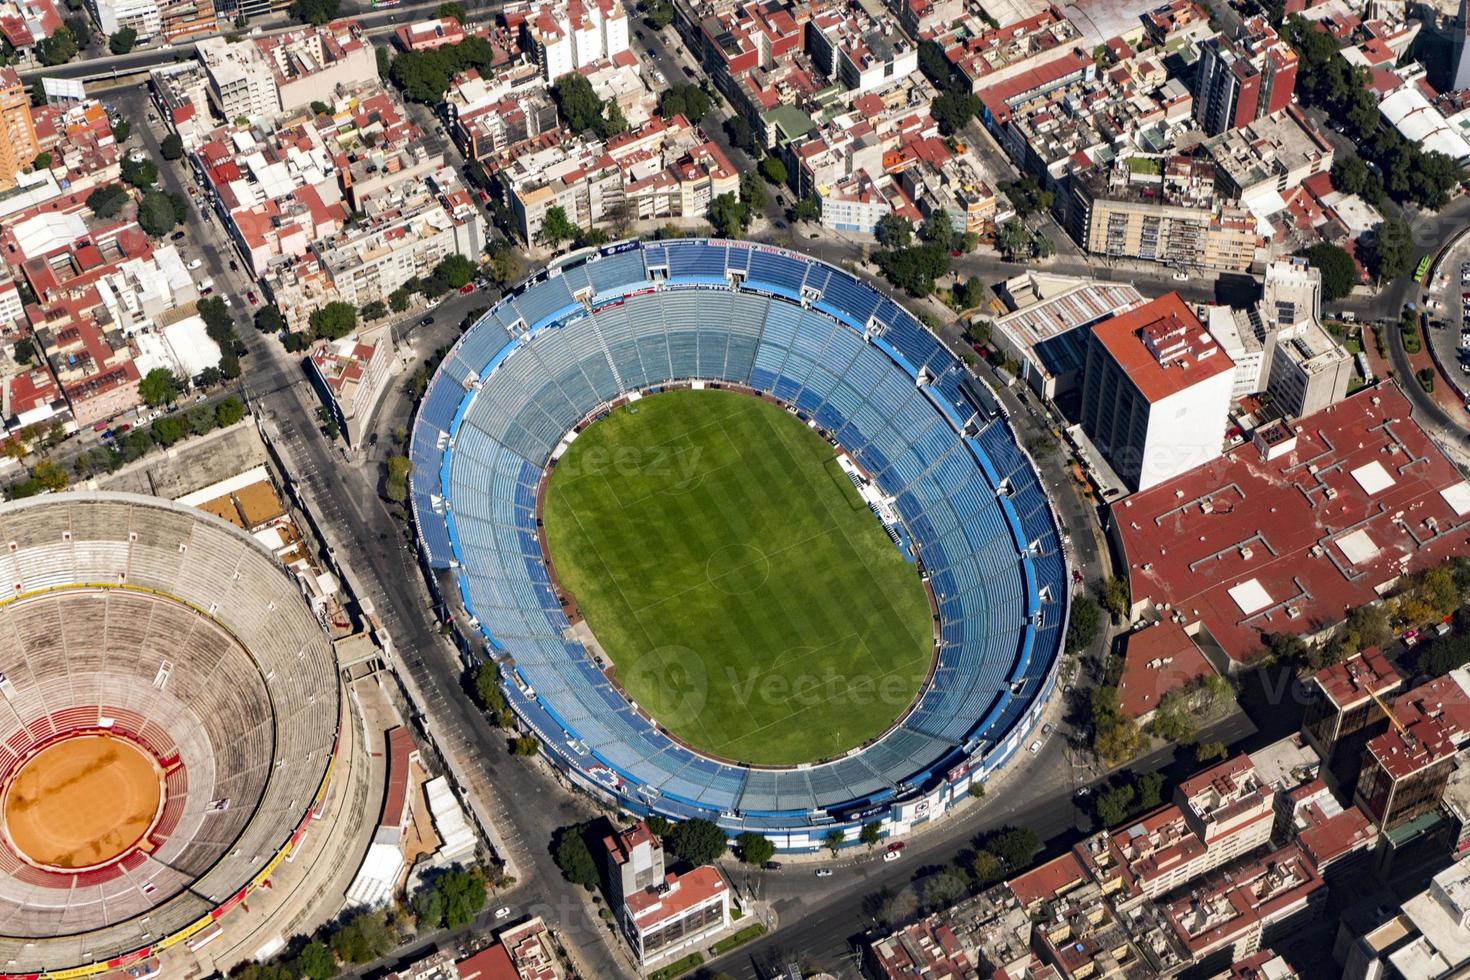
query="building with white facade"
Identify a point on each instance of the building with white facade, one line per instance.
(262, 77)
(350, 374)
(142, 16)
(567, 35)
(1156, 390)
(663, 916)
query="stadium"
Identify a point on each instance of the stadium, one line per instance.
(169, 715)
(838, 380)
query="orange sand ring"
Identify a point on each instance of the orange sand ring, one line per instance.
(82, 802)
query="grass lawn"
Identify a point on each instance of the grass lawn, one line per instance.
(750, 601)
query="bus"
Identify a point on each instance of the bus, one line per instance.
(1422, 270)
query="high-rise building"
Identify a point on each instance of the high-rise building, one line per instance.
(1406, 769)
(1243, 78)
(1462, 48)
(19, 147)
(1347, 704)
(1155, 392)
(662, 915)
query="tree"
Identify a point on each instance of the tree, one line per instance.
(698, 841)
(657, 14)
(1014, 241)
(505, 266)
(741, 135)
(228, 412)
(556, 228)
(937, 230)
(158, 387)
(58, 49)
(268, 319)
(314, 11)
(107, 200)
(333, 321)
(41, 162)
(172, 147)
(1444, 654)
(755, 849)
(1015, 846)
(168, 430)
(398, 300)
(752, 194)
(1350, 175)
(968, 296)
(316, 962)
(49, 476)
(81, 31)
(363, 938)
(25, 350)
(689, 101)
(1115, 597)
(451, 11)
(872, 833)
(397, 480)
(385, 63)
(986, 869)
(806, 209)
(579, 106)
(375, 310)
(1083, 625)
(1207, 751)
(945, 887)
(1114, 805)
(122, 42)
(953, 111)
(1339, 274)
(142, 173)
(526, 746)
(1027, 197)
(456, 270)
(1392, 250)
(893, 231)
(728, 215)
(834, 840)
(156, 214)
(121, 130)
(201, 420)
(573, 858)
(428, 908)
(774, 170)
(1173, 719)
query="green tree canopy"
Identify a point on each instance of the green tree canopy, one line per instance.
(107, 200)
(229, 411)
(158, 387)
(729, 216)
(141, 173)
(573, 857)
(334, 321)
(314, 11)
(1339, 274)
(122, 42)
(455, 270)
(698, 841)
(689, 101)
(755, 849)
(894, 231)
(268, 319)
(556, 228)
(172, 147)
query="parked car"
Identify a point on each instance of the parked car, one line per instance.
(503, 912)
(427, 321)
(467, 288)
(824, 872)
(194, 264)
(1034, 747)
(177, 236)
(251, 296)
(234, 266)
(890, 856)
(771, 866)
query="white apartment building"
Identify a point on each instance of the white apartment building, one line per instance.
(242, 84)
(570, 34)
(142, 16)
(1156, 392)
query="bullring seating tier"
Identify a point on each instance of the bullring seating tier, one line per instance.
(158, 623)
(837, 352)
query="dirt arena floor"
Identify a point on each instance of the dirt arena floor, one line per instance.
(82, 802)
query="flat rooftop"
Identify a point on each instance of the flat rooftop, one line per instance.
(1162, 347)
(1249, 546)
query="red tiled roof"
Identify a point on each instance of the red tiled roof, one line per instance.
(1159, 659)
(492, 963)
(1053, 878)
(1183, 353)
(1273, 530)
(400, 748)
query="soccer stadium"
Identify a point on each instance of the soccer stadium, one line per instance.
(664, 475)
(169, 715)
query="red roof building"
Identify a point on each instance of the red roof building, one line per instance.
(1287, 538)
(1406, 769)
(1159, 658)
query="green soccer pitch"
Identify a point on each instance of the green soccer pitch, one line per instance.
(747, 597)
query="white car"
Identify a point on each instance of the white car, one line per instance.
(503, 912)
(1181, 277)
(891, 856)
(824, 872)
(1034, 747)
(658, 76)
(194, 264)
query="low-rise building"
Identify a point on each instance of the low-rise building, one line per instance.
(663, 917)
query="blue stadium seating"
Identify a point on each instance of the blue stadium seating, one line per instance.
(995, 563)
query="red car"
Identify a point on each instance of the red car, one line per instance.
(467, 288)
(251, 296)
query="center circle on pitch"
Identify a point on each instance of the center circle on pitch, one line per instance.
(82, 802)
(738, 569)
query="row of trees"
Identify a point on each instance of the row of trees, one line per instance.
(1400, 168)
(424, 76)
(956, 103)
